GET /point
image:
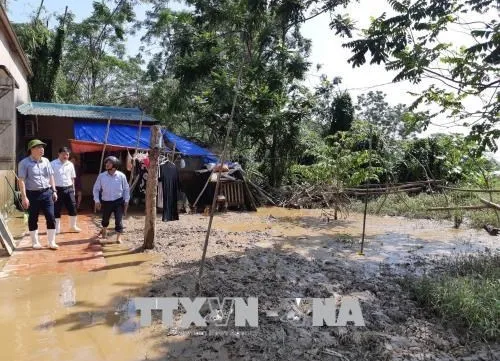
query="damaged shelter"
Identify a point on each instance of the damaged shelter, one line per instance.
(94, 132)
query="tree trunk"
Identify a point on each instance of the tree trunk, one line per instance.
(151, 186)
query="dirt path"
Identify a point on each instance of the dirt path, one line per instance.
(277, 253)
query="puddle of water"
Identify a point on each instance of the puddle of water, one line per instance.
(17, 227)
(80, 316)
(389, 240)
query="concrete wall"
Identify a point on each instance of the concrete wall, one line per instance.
(8, 124)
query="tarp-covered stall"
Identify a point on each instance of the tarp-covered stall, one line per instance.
(91, 137)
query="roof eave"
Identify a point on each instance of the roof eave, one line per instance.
(14, 40)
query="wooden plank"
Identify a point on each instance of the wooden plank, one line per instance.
(6, 238)
(151, 189)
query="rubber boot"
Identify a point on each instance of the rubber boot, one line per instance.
(58, 225)
(34, 240)
(51, 236)
(73, 227)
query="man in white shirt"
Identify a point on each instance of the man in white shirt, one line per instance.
(64, 175)
(112, 190)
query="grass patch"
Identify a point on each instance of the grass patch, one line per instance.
(416, 207)
(466, 295)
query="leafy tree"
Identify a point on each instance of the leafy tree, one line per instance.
(205, 52)
(342, 112)
(94, 54)
(333, 109)
(44, 49)
(410, 43)
(392, 120)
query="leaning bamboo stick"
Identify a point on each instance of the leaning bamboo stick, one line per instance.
(105, 143)
(491, 204)
(458, 207)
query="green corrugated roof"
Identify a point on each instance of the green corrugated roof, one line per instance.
(84, 111)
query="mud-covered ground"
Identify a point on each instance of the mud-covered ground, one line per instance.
(276, 253)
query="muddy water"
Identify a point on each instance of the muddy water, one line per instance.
(81, 316)
(388, 240)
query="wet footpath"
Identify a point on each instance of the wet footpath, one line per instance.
(73, 303)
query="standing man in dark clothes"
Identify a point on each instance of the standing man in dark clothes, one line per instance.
(115, 196)
(64, 175)
(38, 191)
(78, 181)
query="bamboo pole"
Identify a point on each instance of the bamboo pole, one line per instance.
(360, 193)
(361, 253)
(261, 192)
(491, 204)
(222, 159)
(458, 208)
(136, 148)
(151, 189)
(105, 143)
(471, 190)
(203, 190)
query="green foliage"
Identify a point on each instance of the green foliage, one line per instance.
(466, 295)
(394, 121)
(44, 49)
(409, 43)
(94, 67)
(203, 53)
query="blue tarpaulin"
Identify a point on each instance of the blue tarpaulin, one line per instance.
(186, 147)
(119, 135)
(125, 136)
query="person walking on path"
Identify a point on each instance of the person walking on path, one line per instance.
(112, 190)
(38, 191)
(64, 176)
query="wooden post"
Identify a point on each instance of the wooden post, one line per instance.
(491, 198)
(151, 189)
(136, 148)
(105, 142)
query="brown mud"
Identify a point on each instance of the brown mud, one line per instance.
(272, 254)
(279, 253)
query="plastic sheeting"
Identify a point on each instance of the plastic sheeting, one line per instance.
(188, 148)
(90, 137)
(120, 135)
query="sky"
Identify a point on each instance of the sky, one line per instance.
(327, 51)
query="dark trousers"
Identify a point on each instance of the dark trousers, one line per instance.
(66, 197)
(40, 200)
(117, 207)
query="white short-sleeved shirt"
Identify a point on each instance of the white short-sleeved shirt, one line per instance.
(63, 173)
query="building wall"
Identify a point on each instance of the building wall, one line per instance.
(8, 124)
